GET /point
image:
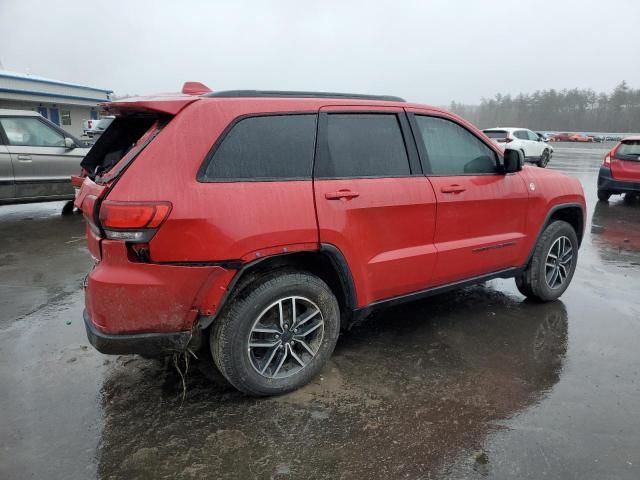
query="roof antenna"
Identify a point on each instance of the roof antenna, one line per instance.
(195, 88)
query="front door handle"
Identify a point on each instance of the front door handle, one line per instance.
(453, 189)
(24, 158)
(347, 194)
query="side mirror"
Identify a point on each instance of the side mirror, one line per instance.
(69, 143)
(511, 161)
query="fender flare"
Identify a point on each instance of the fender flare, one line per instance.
(552, 210)
(334, 255)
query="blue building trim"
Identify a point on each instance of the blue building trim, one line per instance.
(52, 82)
(55, 95)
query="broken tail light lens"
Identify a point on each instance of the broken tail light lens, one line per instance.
(132, 221)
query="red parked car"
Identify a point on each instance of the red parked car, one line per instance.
(580, 138)
(561, 137)
(620, 170)
(252, 226)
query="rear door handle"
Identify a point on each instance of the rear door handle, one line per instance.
(24, 158)
(348, 194)
(453, 189)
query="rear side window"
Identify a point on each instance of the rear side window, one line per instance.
(453, 150)
(521, 134)
(265, 147)
(363, 145)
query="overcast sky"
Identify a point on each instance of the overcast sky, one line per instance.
(427, 51)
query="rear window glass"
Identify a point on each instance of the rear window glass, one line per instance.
(630, 148)
(266, 147)
(363, 145)
(496, 133)
(116, 141)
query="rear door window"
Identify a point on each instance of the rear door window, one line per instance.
(266, 147)
(363, 145)
(453, 150)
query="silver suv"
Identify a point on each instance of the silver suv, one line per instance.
(37, 158)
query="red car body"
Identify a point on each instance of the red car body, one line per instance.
(620, 169)
(384, 239)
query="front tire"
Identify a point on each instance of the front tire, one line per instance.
(552, 265)
(277, 334)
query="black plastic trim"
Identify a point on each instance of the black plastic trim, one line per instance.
(334, 254)
(342, 267)
(608, 183)
(429, 292)
(150, 344)
(550, 213)
(300, 94)
(42, 180)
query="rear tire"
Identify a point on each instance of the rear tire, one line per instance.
(277, 334)
(603, 195)
(552, 265)
(67, 209)
(210, 371)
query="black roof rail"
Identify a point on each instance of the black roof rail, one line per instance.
(293, 94)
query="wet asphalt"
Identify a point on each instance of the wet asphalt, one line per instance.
(471, 384)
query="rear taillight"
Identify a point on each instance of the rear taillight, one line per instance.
(131, 221)
(607, 159)
(88, 211)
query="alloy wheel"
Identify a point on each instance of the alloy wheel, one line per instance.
(558, 262)
(285, 337)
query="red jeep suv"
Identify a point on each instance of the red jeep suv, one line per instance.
(620, 171)
(253, 226)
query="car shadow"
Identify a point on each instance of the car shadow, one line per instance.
(405, 394)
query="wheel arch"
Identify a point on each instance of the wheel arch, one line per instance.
(572, 213)
(327, 263)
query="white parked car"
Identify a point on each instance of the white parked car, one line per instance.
(37, 158)
(532, 147)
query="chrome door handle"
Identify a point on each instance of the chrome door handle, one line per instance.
(24, 158)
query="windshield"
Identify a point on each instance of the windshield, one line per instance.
(496, 133)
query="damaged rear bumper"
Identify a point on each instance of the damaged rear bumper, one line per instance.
(147, 344)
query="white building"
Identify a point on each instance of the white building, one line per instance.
(66, 104)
